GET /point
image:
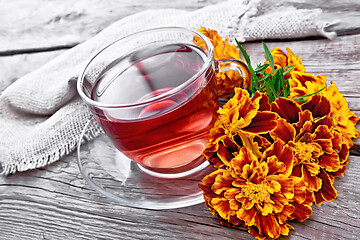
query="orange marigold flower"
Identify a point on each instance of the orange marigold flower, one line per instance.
(344, 120)
(305, 83)
(239, 121)
(309, 131)
(257, 192)
(226, 81)
(282, 59)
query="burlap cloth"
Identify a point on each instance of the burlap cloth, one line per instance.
(41, 114)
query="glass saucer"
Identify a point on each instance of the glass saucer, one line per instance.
(117, 177)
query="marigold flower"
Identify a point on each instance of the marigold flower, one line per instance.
(239, 121)
(257, 192)
(282, 59)
(305, 83)
(226, 81)
(344, 120)
(275, 160)
(309, 131)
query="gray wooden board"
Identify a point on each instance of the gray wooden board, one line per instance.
(43, 24)
(55, 202)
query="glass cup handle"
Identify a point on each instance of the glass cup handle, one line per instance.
(234, 65)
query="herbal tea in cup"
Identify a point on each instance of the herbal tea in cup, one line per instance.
(154, 94)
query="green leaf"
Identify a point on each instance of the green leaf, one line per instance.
(261, 68)
(244, 53)
(281, 85)
(286, 88)
(273, 84)
(289, 69)
(254, 77)
(277, 82)
(269, 57)
(301, 98)
(264, 78)
(270, 91)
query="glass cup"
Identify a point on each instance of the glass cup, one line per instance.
(154, 94)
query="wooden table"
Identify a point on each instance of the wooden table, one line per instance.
(55, 202)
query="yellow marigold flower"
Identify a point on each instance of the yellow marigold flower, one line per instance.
(282, 59)
(305, 83)
(344, 120)
(226, 81)
(309, 132)
(239, 121)
(257, 192)
(275, 160)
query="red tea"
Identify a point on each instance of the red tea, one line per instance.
(163, 125)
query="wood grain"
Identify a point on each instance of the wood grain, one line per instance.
(16, 66)
(55, 202)
(45, 25)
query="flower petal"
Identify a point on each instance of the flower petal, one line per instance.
(270, 226)
(249, 143)
(313, 168)
(285, 229)
(283, 153)
(279, 202)
(266, 209)
(286, 109)
(304, 134)
(246, 108)
(243, 158)
(325, 144)
(301, 212)
(327, 191)
(287, 185)
(231, 193)
(330, 162)
(284, 131)
(221, 184)
(313, 106)
(285, 213)
(310, 198)
(299, 190)
(234, 205)
(222, 207)
(224, 155)
(264, 102)
(247, 204)
(275, 166)
(304, 116)
(254, 231)
(259, 173)
(323, 132)
(314, 182)
(263, 122)
(318, 198)
(336, 140)
(248, 216)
